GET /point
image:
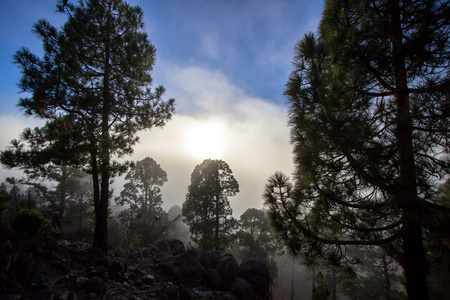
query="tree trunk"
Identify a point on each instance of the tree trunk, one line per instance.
(386, 278)
(101, 215)
(62, 193)
(334, 283)
(414, 260)
(96, 195)
(217, 214)
(80, 213)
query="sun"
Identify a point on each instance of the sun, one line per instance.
(206, 139)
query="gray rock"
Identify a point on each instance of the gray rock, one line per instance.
(95, 285)
(23, 266)
(242, 289)
(161, 248)
(256, 273)
(176, 247)
(45, 294)
(188, 268)
(148, 279)
(213, 279)
(228, 270)
(210, 259)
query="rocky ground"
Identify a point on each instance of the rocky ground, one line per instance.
(45, 268)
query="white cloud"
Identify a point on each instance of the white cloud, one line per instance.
(11, 127)
(257, 139)
(256, 131)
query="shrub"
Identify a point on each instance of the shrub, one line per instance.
(28, 222)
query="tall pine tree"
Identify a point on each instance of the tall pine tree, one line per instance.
(369, 116)
(207, 210)
(95, 73)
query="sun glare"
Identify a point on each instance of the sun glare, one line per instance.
(206, 140)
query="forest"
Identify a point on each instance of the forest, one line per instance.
(364, 215)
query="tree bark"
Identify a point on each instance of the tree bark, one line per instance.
(101, 215)
(414, 259)
(80, 213)
(217, 214)
(387, 280)
(62, 193)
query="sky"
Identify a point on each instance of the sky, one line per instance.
(224, 61)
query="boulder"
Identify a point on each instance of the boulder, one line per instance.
(242, 289)
(96, 285)
(188, 268)
(256, 273)
(6, 255)
(176, 247)
(228, 270)
(213, 279)
(148, 279)
(210, 259)
(161, 248)
(23, 266)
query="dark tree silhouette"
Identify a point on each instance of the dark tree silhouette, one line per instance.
(95, 75)
(207, 210)
(369, 117)
(255, 236)
(142, 193)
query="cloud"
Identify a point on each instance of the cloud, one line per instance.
(12, 126)
(257, 136)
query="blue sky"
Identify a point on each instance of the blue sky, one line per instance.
(224, 61)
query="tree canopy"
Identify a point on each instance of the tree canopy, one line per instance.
(207, 210)
(94, 77)
(142, 194)
(369, 117)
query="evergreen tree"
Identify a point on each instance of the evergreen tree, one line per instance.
(43, 155)
(255, 239)
(207, 210)
(369, 117)
(95, 77)
(255, 236)
(142, 191)
(145, 218)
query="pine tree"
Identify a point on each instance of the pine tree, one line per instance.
(95, 72)
(207, 210)
(369, 117)
(142, 193)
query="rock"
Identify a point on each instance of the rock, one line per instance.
(45, 294)
(185, 294)
(228, 270)
(80, 282)
(67, 296)
(63, 255)
(6, 254)
(57, 265)
(176, 247)
(148, 279)
(96, 285)
(188, 268)
(99, 271)
(14, 288)
(161, 248)
(116, 266)
(255, 272)
(23, 266)
(210, 259)
(39, 283)
(213, 279)
(10, 297)
(242, 289)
